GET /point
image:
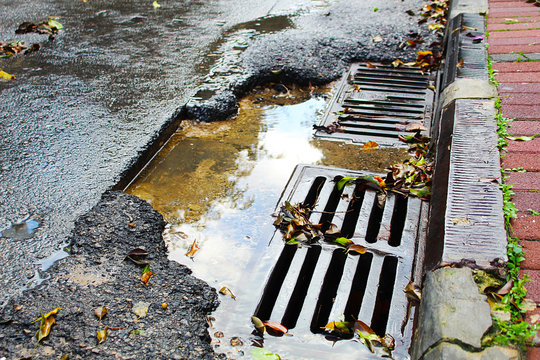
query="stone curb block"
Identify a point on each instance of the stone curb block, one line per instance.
(468, 7)
(452, 309)
(467, 89)
(449, 351)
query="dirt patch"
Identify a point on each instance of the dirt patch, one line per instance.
(97, 275)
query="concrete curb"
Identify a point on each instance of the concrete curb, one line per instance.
(467, 223)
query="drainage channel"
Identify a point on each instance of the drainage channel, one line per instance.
(218, 184)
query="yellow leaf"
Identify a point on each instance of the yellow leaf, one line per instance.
(397, 63)
(140, 309)
(5, 75)
(156, 5)
(226, 291)
(45, 327)
(145, 277)
(370, 145)
(194, 248)
(101, 335)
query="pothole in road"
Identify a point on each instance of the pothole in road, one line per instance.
(218, 183)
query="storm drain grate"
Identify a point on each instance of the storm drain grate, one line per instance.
(378, 103)
(309, 287)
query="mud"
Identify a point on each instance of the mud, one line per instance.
(97, 274)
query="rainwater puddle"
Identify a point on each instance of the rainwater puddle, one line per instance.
(21, 231)
(218, 184)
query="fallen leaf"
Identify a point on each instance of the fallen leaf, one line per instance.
(137, 256)
(332, 230)
(45, 327)
(54, 24)
(534, 318)
(343, 181)
(522, 138)
(362, 327)
(219, 334)
(358, 248)
(413, 291)
(397, 63)
(101, 335)
(415, 126)
(377, 39)
(236, 341)
(506, 288)
(156, 5)
(5, 75)
(226, 291)
(258, 353)
(370, 65)
(477, 39)
(194, 248)
(388, 341)
(343, 327)
(410, 12)
(343, 241)
(370, 145)
(146, 275)
(100, 312)
(435, 27)
(140, 309)
(275, 72)
(274, 325)
(259, 325)
(461, 221)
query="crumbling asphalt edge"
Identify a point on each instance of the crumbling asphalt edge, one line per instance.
(453, 315)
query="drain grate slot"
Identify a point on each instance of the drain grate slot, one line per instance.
(369, 96)
(309, 287)
(329, 291)
(384, 295)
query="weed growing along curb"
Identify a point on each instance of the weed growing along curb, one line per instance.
(516, 330)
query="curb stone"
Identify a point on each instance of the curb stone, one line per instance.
(453, 315)
(451, 310)
(449, 351)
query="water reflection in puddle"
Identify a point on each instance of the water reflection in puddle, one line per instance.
(21, 231)
(218, 184)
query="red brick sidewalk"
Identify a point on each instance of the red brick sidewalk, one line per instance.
(514, 33)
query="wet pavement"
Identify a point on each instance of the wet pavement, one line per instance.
(84, 107)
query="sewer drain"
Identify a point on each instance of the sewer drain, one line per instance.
(309, 287)
(378, 103)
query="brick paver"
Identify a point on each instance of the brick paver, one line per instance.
(514, 27)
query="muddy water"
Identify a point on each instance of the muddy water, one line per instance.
(218, 184)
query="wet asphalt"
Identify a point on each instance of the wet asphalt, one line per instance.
(83, 109)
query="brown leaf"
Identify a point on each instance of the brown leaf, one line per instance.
(236, 341)
(413, 291)
(370, 145)
(397, 63)
(370, 65)
(274, 325)
(358, 248)
(388, 341)
(226, 291)
(194, 248)
(100, 312)
(415, 126)
(137, 256)
(362, 327)
(506, 288)
(332, 230)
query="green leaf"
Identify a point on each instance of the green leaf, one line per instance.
(522, 138)
(54, 23)
(343, 241)
(341, 183)
(263, 354)
(275, 72)
(422, 192)
(534, 212)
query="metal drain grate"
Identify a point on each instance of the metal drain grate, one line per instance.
(379, 103)
(309, 287)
